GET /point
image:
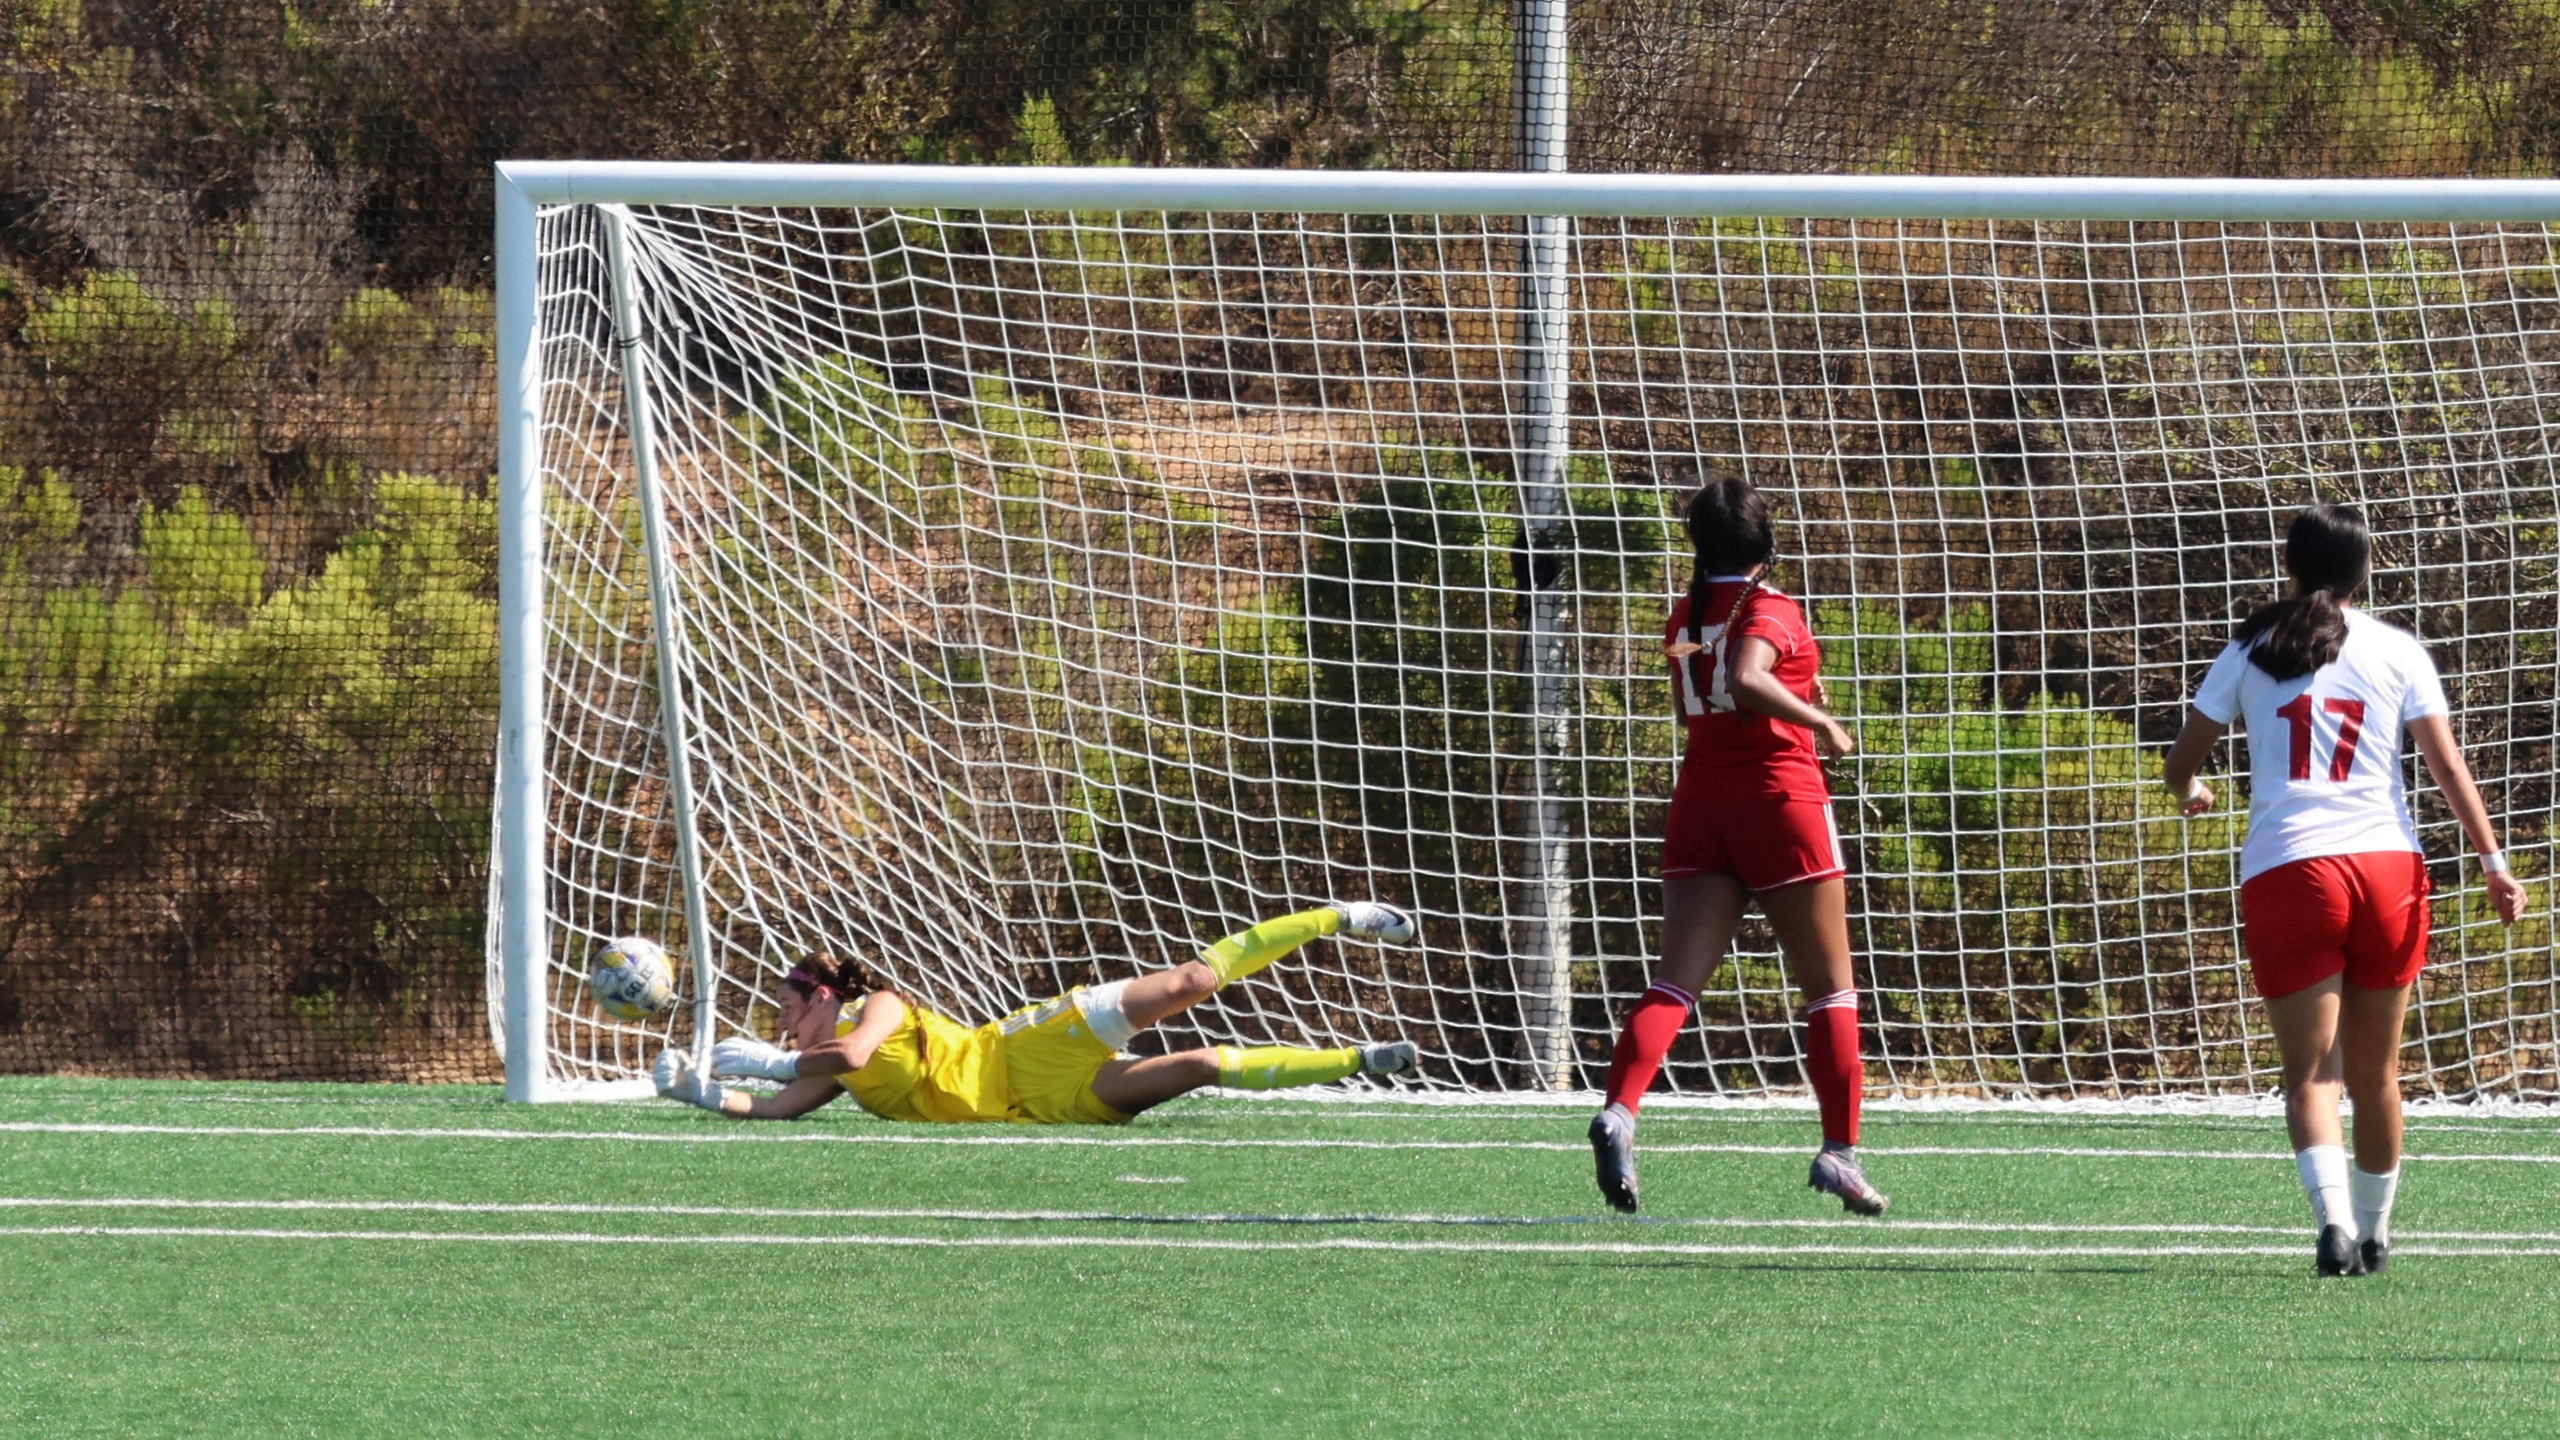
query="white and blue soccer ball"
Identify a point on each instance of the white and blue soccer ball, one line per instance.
(631, 979)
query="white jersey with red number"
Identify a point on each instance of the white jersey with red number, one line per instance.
(2324, 748)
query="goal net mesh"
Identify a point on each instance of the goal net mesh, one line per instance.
(1055, 593)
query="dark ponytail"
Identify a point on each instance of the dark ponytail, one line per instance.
(847, 978)
(1729, 528)
(2329, 553)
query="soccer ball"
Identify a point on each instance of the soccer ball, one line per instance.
(631, 979)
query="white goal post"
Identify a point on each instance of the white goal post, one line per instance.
(1015, 578)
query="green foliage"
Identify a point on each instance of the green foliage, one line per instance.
(2012, 852)
(194, 536)
(1413, 661)
(1038, 136)
(109, 322)
(851, 453)
(374, 319)
(2301, 81)
(38, 517)
(201, 566)
(327, 737)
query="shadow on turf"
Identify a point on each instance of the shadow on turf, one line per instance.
(2545, 1362)
(1889, 1265)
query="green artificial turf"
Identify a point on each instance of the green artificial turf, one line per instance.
(1044, 1283)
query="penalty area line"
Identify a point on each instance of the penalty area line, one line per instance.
(975, 1137)
(1135, 1242)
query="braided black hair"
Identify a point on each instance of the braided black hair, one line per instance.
(2330, 552)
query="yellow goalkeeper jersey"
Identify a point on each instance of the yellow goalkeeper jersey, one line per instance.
(1035, 1065)
(931, 1068)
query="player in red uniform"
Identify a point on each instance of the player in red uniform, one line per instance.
(1750, 819)
(2333, 884)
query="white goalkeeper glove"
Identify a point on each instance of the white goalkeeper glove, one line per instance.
(679, 1080)
(754, 1059)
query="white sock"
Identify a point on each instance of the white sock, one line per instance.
(2323, 1169)
(2374, 1194)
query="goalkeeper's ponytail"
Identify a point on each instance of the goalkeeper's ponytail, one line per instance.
(2329, 552)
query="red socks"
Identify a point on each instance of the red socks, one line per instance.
(1645, 1039)
(1832, 1063)
(1831, 1057)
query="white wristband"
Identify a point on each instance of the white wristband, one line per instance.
(2494, 863)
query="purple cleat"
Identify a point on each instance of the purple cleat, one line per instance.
(1836, 1172)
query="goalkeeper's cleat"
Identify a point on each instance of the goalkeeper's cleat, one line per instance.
(2337, 1252)
(2374, 1254)
(1836, 1171)
(1369, 920)
(1613, 1155)
(1389, 1057)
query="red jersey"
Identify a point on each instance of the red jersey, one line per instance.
(1733, 752)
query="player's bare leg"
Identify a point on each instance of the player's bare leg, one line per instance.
(2369, 1026)
(1812, 924)
(1130, 1086)
(1699, 916)
(2306, 1026)
(1157, 997)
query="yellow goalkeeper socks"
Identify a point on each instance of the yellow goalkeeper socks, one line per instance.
(1246, 951)
(1279, 1067)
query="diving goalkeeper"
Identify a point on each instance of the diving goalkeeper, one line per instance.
(1055, 1063)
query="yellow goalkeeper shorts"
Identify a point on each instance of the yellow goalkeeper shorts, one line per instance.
(1051, 1056)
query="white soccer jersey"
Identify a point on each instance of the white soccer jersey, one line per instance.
(2324, 748)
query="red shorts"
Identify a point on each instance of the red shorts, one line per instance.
(1764, 841)
(2363, 916)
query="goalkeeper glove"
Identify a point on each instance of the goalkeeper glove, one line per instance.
(739, 1055)
(678, 1080)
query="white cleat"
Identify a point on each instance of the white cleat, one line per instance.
(1392, 1057)
(1369, 920)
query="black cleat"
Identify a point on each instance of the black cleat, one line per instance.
(1613, 1154)
(1836, 1171)
(2337, 1253)
(2375, 1254)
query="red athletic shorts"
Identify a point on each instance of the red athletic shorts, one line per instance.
(2364, 916)
(1766, 842)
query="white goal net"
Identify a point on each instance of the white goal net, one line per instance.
(1052, 574)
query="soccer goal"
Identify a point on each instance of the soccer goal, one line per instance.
(1017, 578)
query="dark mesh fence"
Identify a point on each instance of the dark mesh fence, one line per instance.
(247, 649)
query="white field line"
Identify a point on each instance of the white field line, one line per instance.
(1697, 1118)
(2242, 1115)
(1007, 1136)
(1151, 1242)
(1211, 1218)
(1797, 1104)
(1656, 1115)
(2224, 1114)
